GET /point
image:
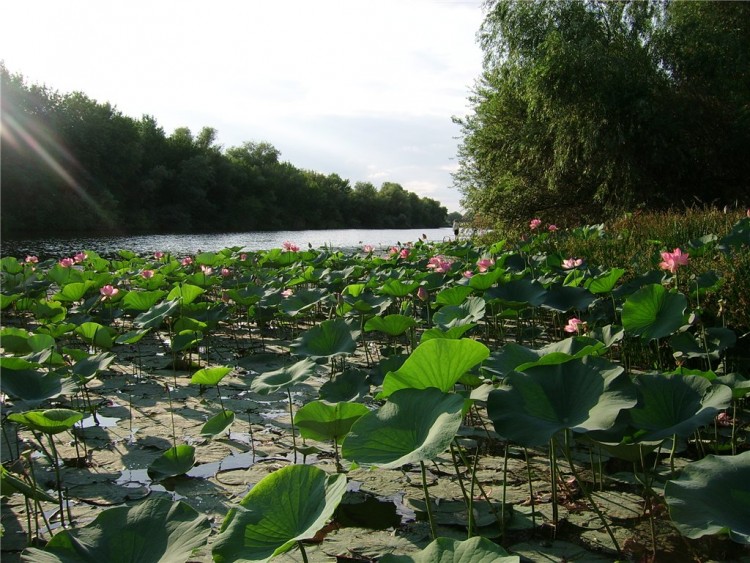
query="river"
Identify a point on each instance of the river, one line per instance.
(186, 244)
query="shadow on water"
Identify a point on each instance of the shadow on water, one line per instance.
(360, 509)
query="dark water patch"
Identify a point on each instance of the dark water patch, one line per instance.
(360, 510)
(232, 461)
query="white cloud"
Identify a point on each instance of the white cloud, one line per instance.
(335, 85)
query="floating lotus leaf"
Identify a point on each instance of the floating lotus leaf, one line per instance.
(676, 404)
(711, 496)
(177, 460)
(438, 363)
(155, 531)
(581, 395)
(273, 381)
(323, 421)
(262, 527)
(446, 550)
(50, 421)
(217, 423)
(470, 311)
(653, 312)
(330, 338)
(210, 376)
(413, 425)
(392, 325)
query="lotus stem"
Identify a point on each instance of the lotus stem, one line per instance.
(531, 490)
(587, 493)
(671, 454)
(649, 501)
(57, 478)
(463, 492)
(553, 481)
(291, 417)
(505, 489)
(302, 551)
(430, 517)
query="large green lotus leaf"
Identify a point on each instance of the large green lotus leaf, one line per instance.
(132, 336)
(330, 338)
(368, 302)
(276, 380)
(484, 281)
(177, 460)
(564, 298)
(285, 507)
(739, 384)
(676, 404)
(397, 288)
(210, 376)
(447, 550)
(50, 421)
(323, 421)
(40, 342)
(95, 334)
(217, 423)
(301, 301)
(453, 295)
(453, 333)
(653, 312)
(10, 484)
(89, 366)
(712, 496)
(711, 344)
(73, 291)
(154, 317)
(15, 340)
(34, 387)
(392, 325)
(604, 283)
(347, 386)
(413, 425)
(186, 293)
(141, 300)
(582, 394)
(438, 363)
(518, 293)
(186, 339)
(513, 356)
(156, 530)
(48, 311)
(470, 311)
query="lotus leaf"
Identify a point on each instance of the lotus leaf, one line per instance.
(653, 312)
(217, 423)
(446, 550)
(323, 421)
(330, 338)
(262, 527)
(210, 376)
(282, 378)
(177, 460)
(392, 325)
(470, 311)
(50, 421)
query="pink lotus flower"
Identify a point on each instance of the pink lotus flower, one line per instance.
(535, 224)
(243, 256)
(468, 274)
(393, 250)
(67, 262)
(552, 228)
(368, 249)
(158, 255)
(422, 293)
(440, 264)
(147, 274)
(80, 257)
(404, 253)
(207, 270)
(673, 260)
(287, 293)
(570, 263)
(32, 259)
(290, 246)
(485, 264)
(574, 325)
(187, 261)
(225, 272)
(108, 291)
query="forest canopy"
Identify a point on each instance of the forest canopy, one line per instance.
(71, 165)
(587, 108)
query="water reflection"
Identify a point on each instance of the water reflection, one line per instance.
(184, 244)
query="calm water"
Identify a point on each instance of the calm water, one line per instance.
(182, 245)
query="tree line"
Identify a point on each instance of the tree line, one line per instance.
(586, 108)
(73, 165)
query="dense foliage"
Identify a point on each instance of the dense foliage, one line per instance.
(72, 164)
(586, 108)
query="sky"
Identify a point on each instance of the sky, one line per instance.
(362, 89)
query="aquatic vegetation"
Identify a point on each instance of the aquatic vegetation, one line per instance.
(391, 362)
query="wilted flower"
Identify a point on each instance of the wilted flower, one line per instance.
(290, 246)
(66, 262)
(31, 259)
(80, 257)
(574, 324)
(485, 264)
(673, 260)
(108, 291)
(440, 264)
(570, 263)
(535, 224)
(186, 261)
(147, 274)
